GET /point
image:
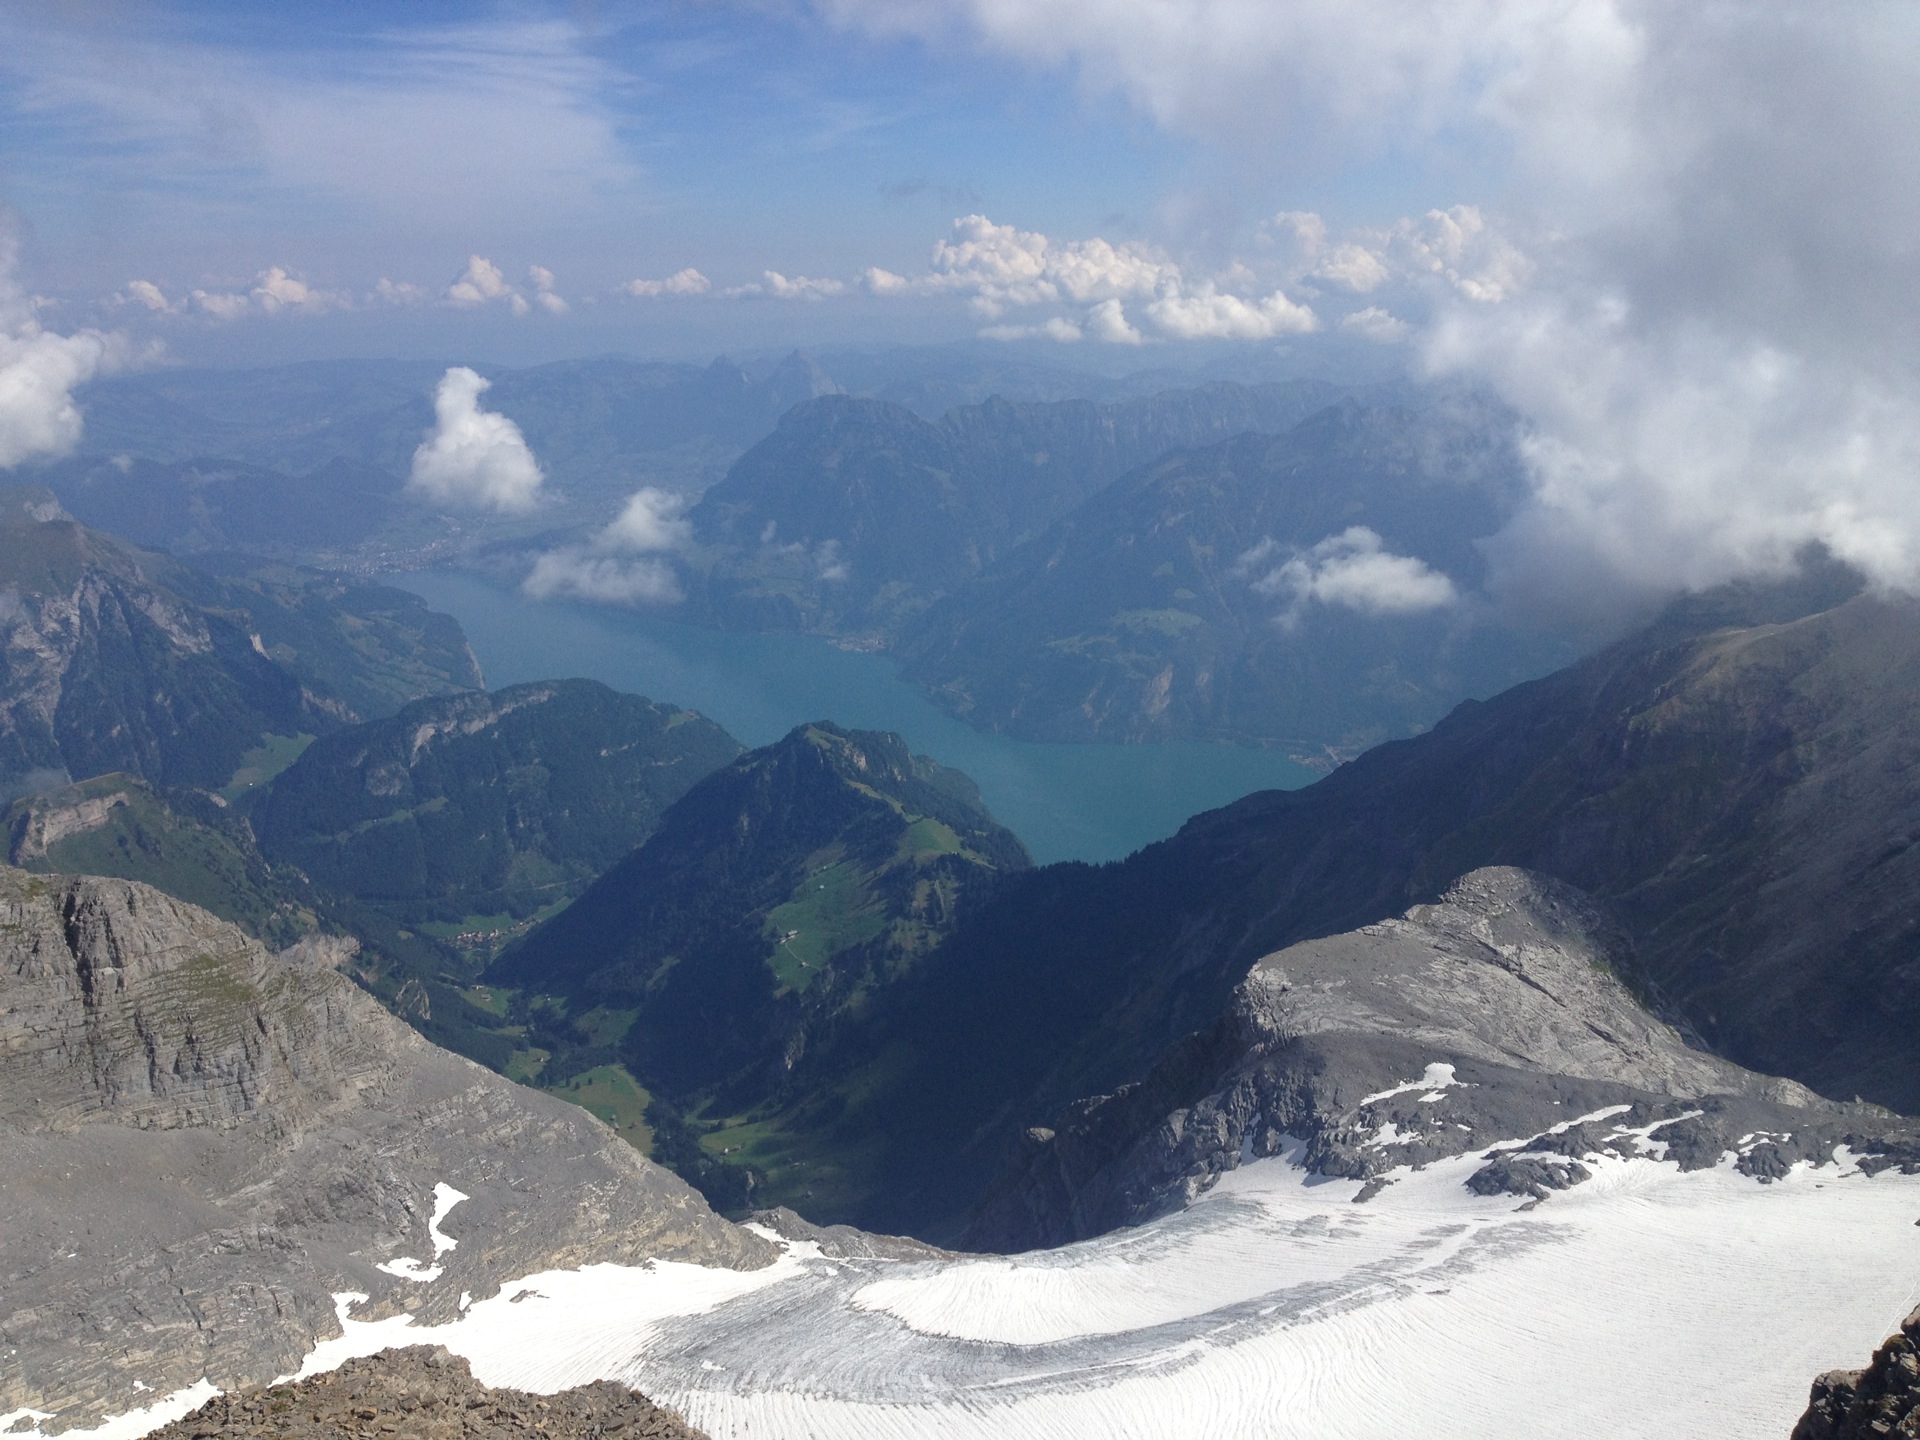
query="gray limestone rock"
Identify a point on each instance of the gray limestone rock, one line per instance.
(201, 1144)
(1493, 1014)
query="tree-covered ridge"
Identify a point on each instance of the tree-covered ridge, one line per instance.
(482, 804)
(777, 899)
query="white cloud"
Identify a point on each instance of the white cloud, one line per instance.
(440, 126)
(1000, 268)
(1702, 291)
(781, 287)
(481, 283)
(602, 578)
(473, 457)
(38, 373)
(1352, 570)
(1373, 323)
(399, 292)
(624, 564)
(682, 282)
(1210, 315)
(544, 295)
(1353, 266)
(145, 292)
(274, 292)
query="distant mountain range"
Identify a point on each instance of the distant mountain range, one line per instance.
(1729, 781)
(124, 660)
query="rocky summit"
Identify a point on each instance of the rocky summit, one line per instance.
(1881, 1400)
(1494, 1013)
(204, 1145)
(424, 1393)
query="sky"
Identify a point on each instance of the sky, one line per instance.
(1679, 240)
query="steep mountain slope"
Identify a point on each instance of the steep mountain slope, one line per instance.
(1153, 611)
(184, 842)
(776, 900)
(855, 513)
(201, 1145)
(1501, 997)
(485, 804)
(599, 425)
(194, 505)
(1880, 1399)
(118, 659)
(1736, 782)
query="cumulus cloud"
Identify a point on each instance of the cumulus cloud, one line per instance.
(1210, 315)
(781, 287)
(275, 292)
(682, 282)
(1375, 324)
(472, 457)
(38, 373)
(1353, 570)
(399, 292)
(544, 295)
(1000, 268)
(625, 564)
(481, 283)
(1701, 292)
(146, 293)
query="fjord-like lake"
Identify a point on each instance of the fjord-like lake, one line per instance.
(1067, 802)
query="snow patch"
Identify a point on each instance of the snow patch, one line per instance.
(445, 1197)
(128, 1426)
(1438, 1077)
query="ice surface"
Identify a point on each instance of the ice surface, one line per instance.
(1645, 1302)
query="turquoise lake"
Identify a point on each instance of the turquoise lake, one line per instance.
(1067, 802)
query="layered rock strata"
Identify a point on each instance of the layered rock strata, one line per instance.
(202, 1144)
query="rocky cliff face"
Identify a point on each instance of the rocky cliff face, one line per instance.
(201, 1144)
(112, 658)
(1881, 1400)
(1492, 1014)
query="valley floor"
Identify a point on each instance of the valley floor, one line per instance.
(1646, 1302)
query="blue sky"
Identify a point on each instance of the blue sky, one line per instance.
(1677, 240)
(196, 146)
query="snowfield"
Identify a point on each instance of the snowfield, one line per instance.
(1643, 1303)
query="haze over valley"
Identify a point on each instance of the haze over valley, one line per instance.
(865, 719)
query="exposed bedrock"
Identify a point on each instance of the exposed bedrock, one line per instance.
(1881, 1400)
(1491, 1015)
(201, 1143)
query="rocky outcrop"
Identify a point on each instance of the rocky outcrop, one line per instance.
(201, 1144)
(1881, 1400)
(1493, 1014)
(425, 1393)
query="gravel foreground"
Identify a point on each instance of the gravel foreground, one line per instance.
(426, 1393)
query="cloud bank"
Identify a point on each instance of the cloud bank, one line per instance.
(38, 373)
(473, 458)
(1353, 571)
(1701, 289)
(625, 563)
(1002, 269)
